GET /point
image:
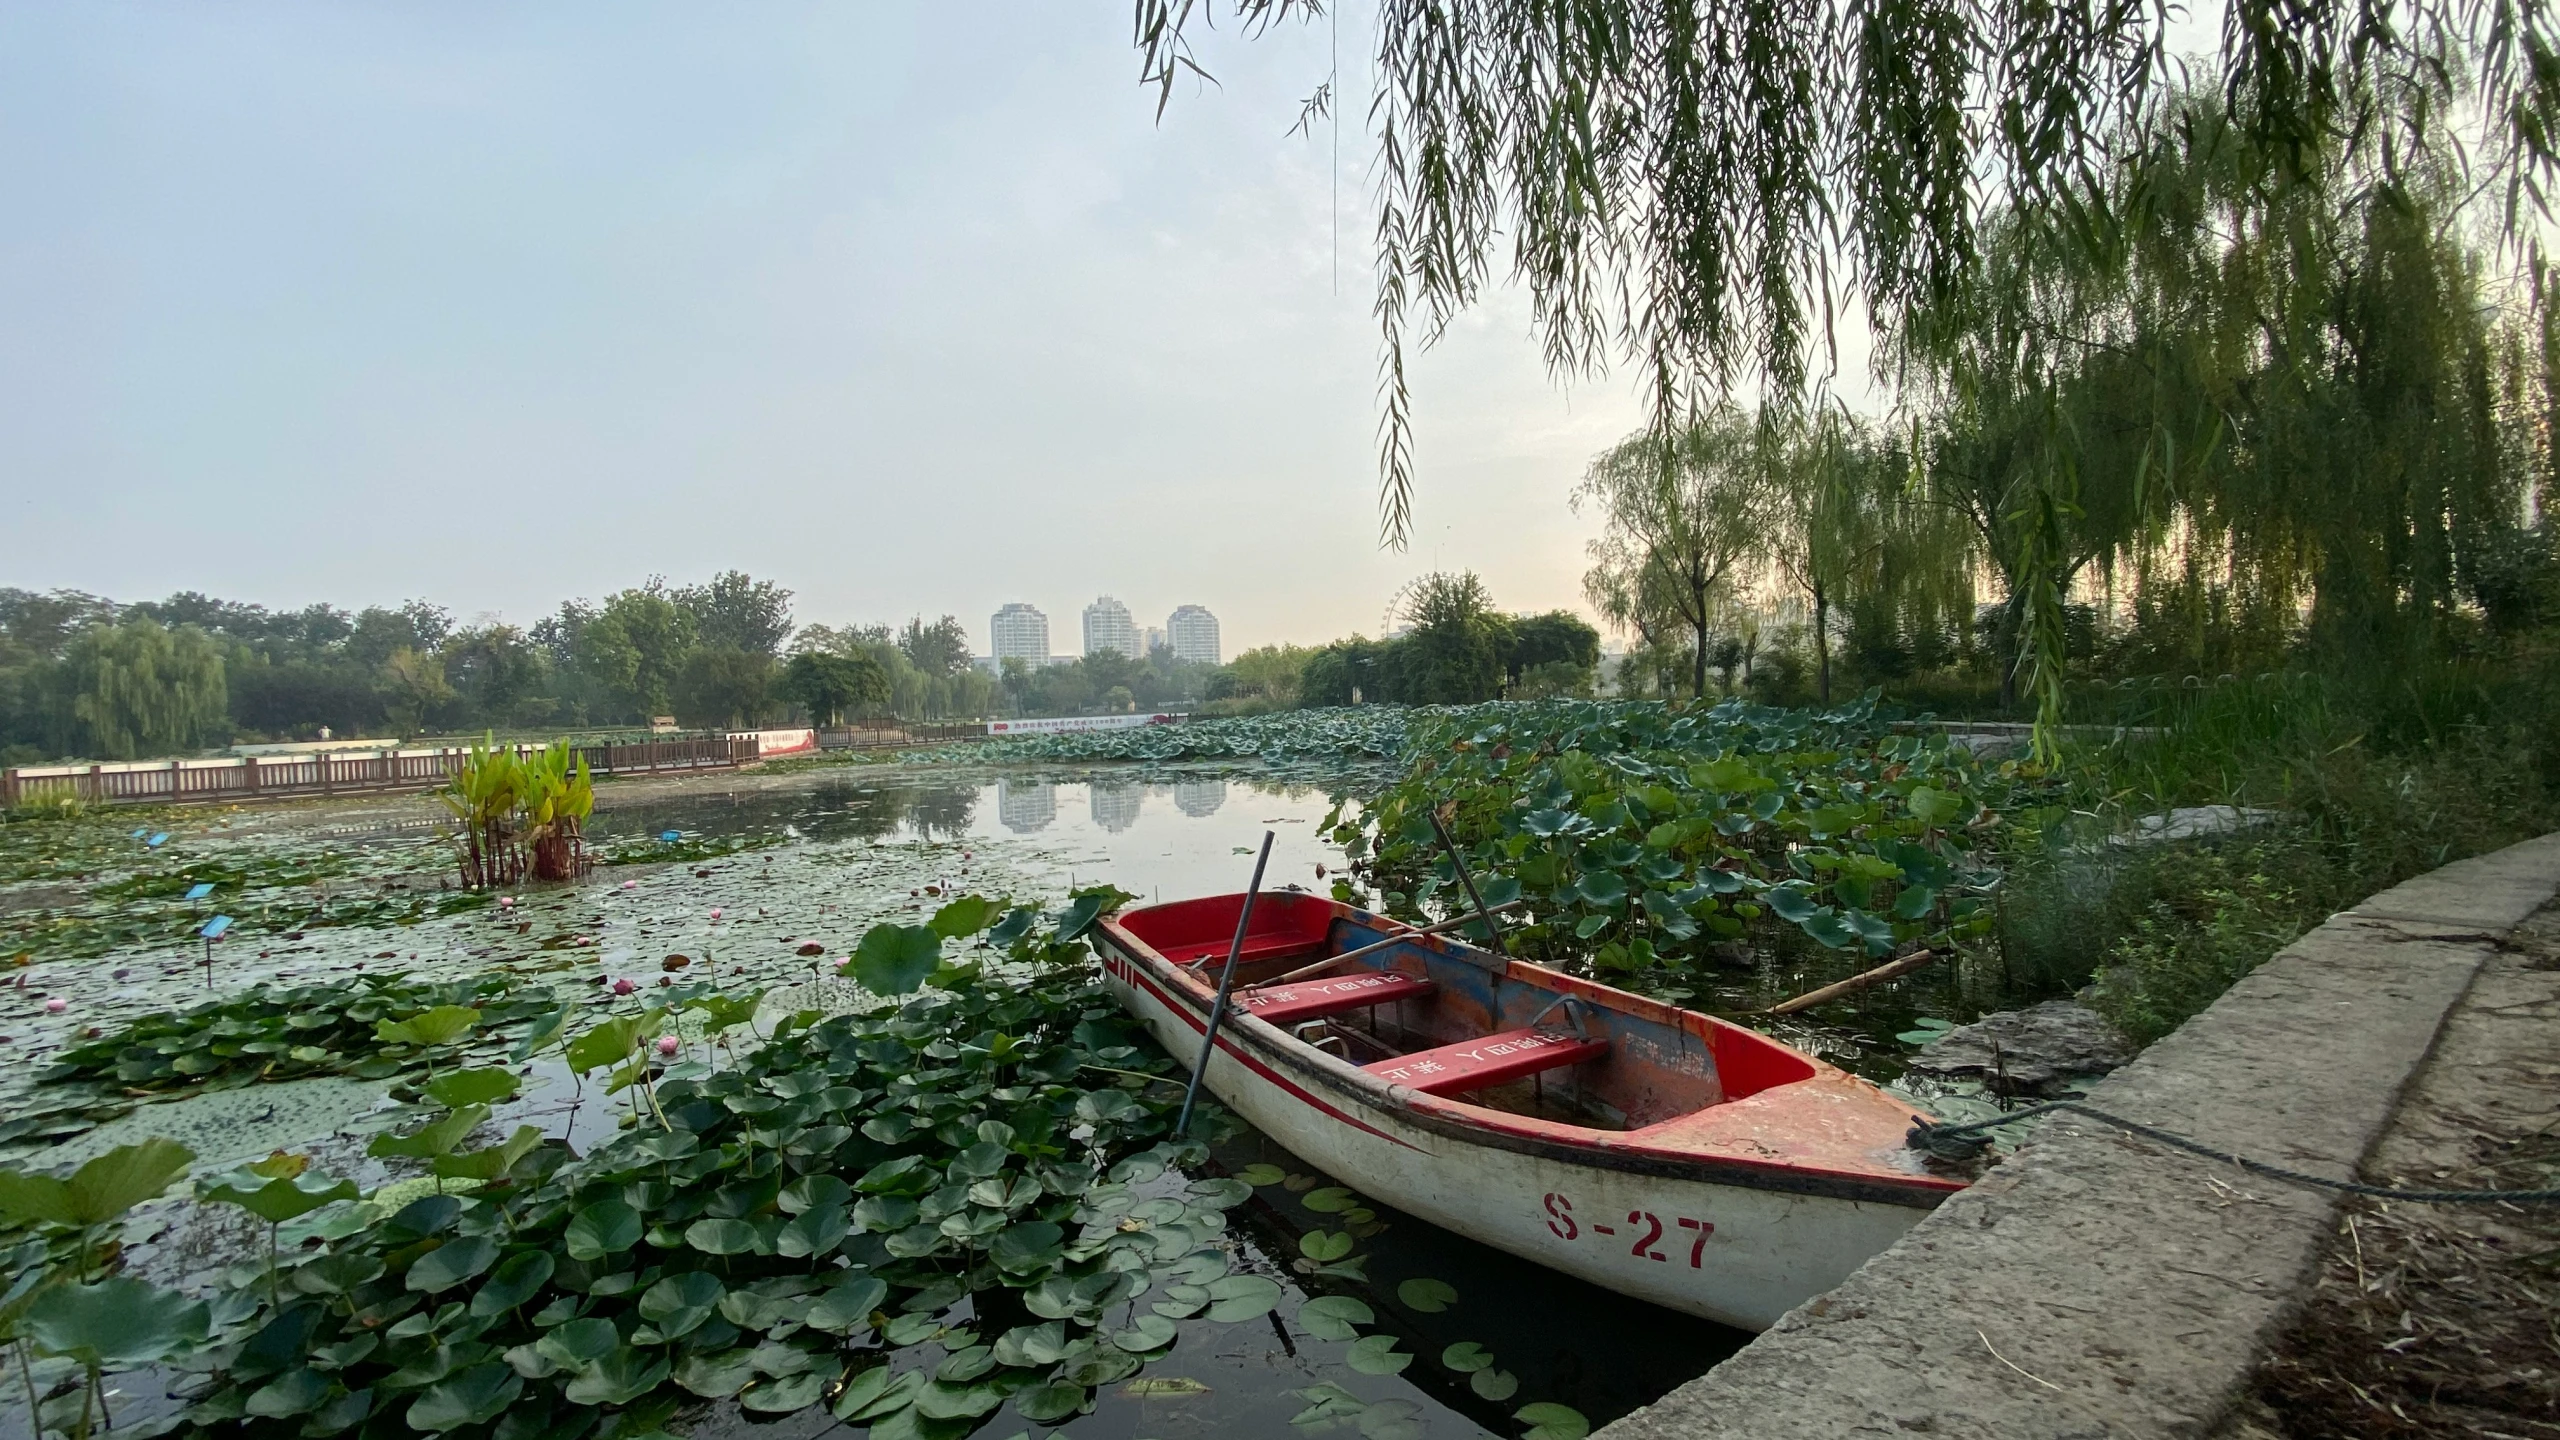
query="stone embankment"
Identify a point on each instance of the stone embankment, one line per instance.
(2097, 1284)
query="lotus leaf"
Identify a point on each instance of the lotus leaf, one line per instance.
(895, 959)
(98, 1191)
(619, 1378)
(1236, 1298)
(679, 1303)
(1331, 1317)
(1552, 1422)
(938, 1401)
(813, 1192)
(517, 1280)
(875, 1393)
(795, 1392)
(429, 1141)
(280, 1199)
(451, 1263)
(442, 1025)
(576, 1344)
(1030, 1346)
(1391, 1420)
(1426, 1295)
(1145, 1333)
(716, 1377)
(1376, 1355)
(721, 1237)
(812, 1232)
(457, 1088)
(1323, 1246)
(473, 1397)
(295, 1392)
(117, 1322)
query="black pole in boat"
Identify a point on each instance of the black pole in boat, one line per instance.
(1226, 981)
(1492, 932)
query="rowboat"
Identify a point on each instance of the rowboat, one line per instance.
(1654, 1151)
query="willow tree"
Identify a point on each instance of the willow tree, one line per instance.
(1687, 516)
(136, 689)
(2258, 392)
(1848, 524)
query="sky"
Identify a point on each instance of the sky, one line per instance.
(910, 308)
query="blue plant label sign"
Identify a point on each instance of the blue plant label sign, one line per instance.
(198, 892)
(214, 928)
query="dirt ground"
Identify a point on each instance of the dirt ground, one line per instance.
(2443, 1320)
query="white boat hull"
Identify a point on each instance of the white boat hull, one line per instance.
(1742, 1251)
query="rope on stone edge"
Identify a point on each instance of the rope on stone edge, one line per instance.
(1964, 1142)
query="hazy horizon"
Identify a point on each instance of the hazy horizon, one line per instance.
(911, 313)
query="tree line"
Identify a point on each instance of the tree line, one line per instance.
(1450, 647)
(82, 675)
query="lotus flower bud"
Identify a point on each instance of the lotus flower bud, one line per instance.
(624, 986)
(668, 1045)
(56, 1005)
(715, 912)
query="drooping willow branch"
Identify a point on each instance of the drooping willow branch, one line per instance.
(1695, 189)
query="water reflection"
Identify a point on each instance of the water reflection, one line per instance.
(1168, 839)
(942, 813)
(1026, 806)
(1115, 807)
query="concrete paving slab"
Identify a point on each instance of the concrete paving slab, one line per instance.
(2099, 1285)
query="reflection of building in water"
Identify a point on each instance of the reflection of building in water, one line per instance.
(1026, 805)
(1115, 807)
(1199, 798)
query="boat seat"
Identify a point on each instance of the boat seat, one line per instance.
(1488, 1060)
(1332, 995)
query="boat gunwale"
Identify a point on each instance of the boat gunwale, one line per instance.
(1497, 1129)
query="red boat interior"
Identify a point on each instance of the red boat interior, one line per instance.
(1446, 1018)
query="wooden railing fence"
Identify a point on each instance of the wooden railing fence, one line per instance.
(897, 737)
(265, 777)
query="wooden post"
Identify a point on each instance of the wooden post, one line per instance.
(97, 785)
(249, 773)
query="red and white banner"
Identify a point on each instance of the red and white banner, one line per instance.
(1077, 722)
(770, 743)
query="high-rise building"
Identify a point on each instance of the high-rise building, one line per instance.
(1199, 799)
(1026, 806)
(1107, 626)
(1154, 639)
(1115, 807)
(1193, 633)
(1019, 632)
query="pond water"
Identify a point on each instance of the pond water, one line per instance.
(821, 856)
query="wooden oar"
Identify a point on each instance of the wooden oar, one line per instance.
(1226, 982)
(1375, 946)
(1890, 970)
(1457, 862)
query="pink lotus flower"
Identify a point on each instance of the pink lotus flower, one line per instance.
(506, 902)
(715, 912)
(668, 1045)
(624, 986)
(630, 884)
(56, 1005)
